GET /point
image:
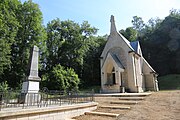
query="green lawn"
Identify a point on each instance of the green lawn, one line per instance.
(88, 89)
(169, 82)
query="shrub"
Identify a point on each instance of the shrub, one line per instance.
(4, 86)
(62, 79)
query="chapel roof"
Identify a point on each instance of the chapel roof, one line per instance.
(117, 60)
(134, 45)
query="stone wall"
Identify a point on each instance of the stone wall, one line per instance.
(131, 73)
(149, 82)
(111, 88)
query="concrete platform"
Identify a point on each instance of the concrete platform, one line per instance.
(123, 95)
(124, 102)
(131, 98)
(102, 114)
(49, 113)
(116, 107)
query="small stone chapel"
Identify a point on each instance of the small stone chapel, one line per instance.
(123, 67)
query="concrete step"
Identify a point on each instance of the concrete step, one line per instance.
(132, 95)
(116, 107)
(102, 114)
(123, 95)
(131, 98)
(124, 102)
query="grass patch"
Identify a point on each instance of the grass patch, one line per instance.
(169, 82)
(95, 88)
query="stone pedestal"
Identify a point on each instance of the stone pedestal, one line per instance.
(30, 87)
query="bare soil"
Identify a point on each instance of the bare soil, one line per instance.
(163, 105)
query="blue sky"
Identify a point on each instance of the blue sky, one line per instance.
(98, 12)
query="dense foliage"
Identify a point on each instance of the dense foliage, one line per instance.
(74, 46)
(160, 41)
(129, 33)
(69, 51)
(8, 30)
(22, 29)
(4, 86)
(61, 79)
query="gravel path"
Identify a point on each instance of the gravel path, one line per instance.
(164, 105)
(159, 106)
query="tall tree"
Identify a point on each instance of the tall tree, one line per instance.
(138, 24)
(67, 43)
(8, 29)
(161, 42)
(91, 67)
(129, 33)
(30, 32)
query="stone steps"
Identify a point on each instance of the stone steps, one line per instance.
(131, 98)
(124, 102)
(121, 98)
(102, 114)
(116, 107)
(123, 95)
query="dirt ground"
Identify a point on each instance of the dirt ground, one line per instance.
(164, 105)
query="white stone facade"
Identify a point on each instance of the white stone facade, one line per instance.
(123, 66)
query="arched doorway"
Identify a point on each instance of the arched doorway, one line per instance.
(111, 74)
(111, 77)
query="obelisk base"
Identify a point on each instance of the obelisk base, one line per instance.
(30, 92)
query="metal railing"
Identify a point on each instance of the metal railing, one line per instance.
(12, 99)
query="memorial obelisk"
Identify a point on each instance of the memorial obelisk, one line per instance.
(31, 84)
